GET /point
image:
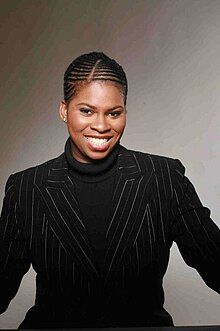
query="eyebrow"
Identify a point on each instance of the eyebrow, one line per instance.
(88, 105)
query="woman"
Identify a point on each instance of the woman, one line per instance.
(97, 222)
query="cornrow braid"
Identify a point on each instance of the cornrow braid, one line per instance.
(92, 67)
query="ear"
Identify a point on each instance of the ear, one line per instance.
(63, 111)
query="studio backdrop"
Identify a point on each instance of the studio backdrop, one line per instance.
(170, 52)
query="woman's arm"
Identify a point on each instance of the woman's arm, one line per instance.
(197, 236)
(14, 257)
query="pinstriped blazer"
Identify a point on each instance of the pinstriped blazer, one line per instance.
(153, 205)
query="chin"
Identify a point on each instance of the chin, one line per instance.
(98, 156)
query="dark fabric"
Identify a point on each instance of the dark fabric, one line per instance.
(94, 190)
(153, 204)
(92, 172)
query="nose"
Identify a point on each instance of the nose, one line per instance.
(100, 123)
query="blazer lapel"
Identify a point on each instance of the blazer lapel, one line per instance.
(128, 210)
(127, 213)
(65, 219)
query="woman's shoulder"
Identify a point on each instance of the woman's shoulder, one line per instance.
(38, 170)
(154, 160)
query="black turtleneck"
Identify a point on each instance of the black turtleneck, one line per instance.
(94, 191)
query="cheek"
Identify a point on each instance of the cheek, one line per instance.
(77, 124)
(120, 125)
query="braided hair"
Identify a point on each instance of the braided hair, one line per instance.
(94, 66)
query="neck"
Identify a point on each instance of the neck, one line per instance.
(94, 169)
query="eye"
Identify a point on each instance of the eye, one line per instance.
(115, 114)
(86, 111)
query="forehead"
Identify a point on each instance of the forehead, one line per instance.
(99, 91)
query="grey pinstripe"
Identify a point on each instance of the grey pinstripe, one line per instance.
(153, 204)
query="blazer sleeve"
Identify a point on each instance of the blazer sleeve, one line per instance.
(14, 257)
(196, 235)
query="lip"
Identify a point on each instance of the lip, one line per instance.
(99, 137)
(101, 148)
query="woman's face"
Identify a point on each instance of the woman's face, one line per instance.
(96, 118)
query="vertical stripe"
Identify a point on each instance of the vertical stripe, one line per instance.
(140, 225)
(116, 209)
(6, 226)
(137, 255)
(45, 245)
(20, 187)
(74, 237)
(139, 168)
(170, 181)
(43, 224)
(59, 267)
(6, 261)
(149, 232)
(116, 249)
(77, 216)
(32, 219)
(151, 221)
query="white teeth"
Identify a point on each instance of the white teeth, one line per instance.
(97, 141)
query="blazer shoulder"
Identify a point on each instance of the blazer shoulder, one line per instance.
(38, 170)
(157, 162)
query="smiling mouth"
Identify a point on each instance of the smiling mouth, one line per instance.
(98, 141)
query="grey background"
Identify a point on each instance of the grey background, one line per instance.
(170, 51)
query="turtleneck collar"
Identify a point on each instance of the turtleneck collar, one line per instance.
(95, 171)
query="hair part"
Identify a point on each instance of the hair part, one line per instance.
(95, 66)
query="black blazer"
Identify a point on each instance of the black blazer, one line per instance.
(153, 205)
